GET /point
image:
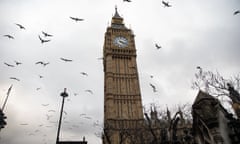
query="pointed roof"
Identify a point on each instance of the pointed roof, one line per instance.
(117, 21)
(203, 96)
(116, 15)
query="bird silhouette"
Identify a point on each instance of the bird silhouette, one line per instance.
(9, 65)
(42, 40)
(17, 63)
(14, 78)
(158, 46)
(198, 67)
(24, 124)
(9, 36)
(86, 117)
(42, 63)
(38, 88)
(83, 114)
(166, 4)
(127, 1)
(153, 87)
(39, 62)
(45, 104)
(46, 34)
(66, 60)
(236, 12)
(40, 76)
(90, 91)
(83, 73)
(20, 26)
(76, 19)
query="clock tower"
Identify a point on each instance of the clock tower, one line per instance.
(123, 113)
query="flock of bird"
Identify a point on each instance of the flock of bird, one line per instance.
(45, 34)
(51, 122)
(51, 114)
(45, 38)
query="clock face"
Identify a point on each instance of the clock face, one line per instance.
(120, 41)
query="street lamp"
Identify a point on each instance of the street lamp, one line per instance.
(64, 95)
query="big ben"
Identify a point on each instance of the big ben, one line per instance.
(123, 114)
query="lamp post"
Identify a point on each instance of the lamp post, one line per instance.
(63, 94)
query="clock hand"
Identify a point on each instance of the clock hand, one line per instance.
(121, 41)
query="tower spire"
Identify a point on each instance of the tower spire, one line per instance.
(116, 15)
(117, 20)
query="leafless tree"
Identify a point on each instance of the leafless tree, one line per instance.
(214, 83)
(227, 90)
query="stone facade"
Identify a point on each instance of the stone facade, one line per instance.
(124, 120)
(122, 98)
(212, 123)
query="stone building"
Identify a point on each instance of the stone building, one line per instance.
(122, 98)
(212, 123)
(124, 120)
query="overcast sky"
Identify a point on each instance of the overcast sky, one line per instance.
(192, 33)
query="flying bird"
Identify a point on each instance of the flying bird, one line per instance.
(83, 73)
(39, 62)
(158, 46)
(90, 91)
(66, 60)
(236, 12)
(40, 76)
(127, 1)
(24, 124)
(46, 34)
(13, 78)
(153, 87)
(83, 114)
(17, 63)
(166, 4)
(20, 26)
(86, 117)
(42, 40)
(45, 104)
(9, 36)
(42, 63)
(198, 67)
(38, 88)
(76, 19)
(8, 64)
